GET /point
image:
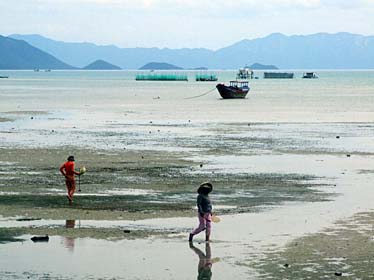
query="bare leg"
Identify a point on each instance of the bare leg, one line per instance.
(70, 184)
(208, 222)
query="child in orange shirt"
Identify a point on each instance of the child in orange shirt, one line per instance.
(67, 169)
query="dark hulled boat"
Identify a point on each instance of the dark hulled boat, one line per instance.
(236, 89)
(310, 75)
(278, 75)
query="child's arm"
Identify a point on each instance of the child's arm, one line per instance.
(199, 208)
(75, 172)
(199, 205)
(62, 170)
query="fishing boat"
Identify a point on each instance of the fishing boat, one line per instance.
(310, 75)
(236, 89)
(244, 73)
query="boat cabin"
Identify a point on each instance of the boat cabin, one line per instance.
(310, 75)
(245, 73)
(239, 84)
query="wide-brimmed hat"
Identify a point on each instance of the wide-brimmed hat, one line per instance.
(71, 158)
(205, 188)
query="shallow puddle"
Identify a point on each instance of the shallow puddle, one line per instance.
(68, 258)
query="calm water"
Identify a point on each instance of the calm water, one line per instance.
(106, 101)
(335, 96)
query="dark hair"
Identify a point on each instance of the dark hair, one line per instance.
(71, 158)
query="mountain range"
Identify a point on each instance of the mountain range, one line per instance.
(316, 51)
(16, 54)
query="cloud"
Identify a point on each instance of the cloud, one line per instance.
(347, 5)
(182, 23)
(186, 4)
(214, 8)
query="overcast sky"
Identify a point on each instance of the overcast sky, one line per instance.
(181, 23)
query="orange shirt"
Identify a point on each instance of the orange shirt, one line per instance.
(69, 168)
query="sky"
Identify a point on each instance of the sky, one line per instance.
(181, 23)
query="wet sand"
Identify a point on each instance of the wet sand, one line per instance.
(131, 185)
(240, 240)
(344, 249)
(285, 163)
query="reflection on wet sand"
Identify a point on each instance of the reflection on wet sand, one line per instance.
(70, 224)
(68, 241)
(204, 268)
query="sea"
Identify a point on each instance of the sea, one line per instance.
(103, 99)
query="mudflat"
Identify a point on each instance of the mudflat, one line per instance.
(288, 166)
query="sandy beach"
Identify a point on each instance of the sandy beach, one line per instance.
(291, 167)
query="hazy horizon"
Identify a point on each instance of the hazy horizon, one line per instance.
(179, 23)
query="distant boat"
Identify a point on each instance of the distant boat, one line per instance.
(278, 75)
(244, 74)
(310, 75)
(36, 70)
(236, 89)
(47, 70)
(4, 77)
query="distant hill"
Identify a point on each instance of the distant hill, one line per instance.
(101, 65)
(17, 54)
(200, 68)
(259, 66)
(316, 51)
(159, 66)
